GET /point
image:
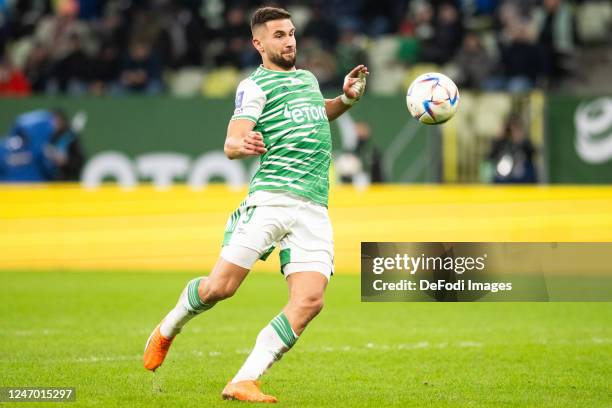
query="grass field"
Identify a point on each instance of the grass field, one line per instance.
(87, 330)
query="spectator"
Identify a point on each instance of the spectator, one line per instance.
(141, 70)
(13, 82)
(368, 153)
(25, 16)
(65, 149)
(38, 67)
(22, 159)
(43, 147)
(112, 27)
(144, 25)
(351, 51)
(64, 45)
(512, 154)
(518, 50)
(181, 38)
(555, 27)
(71, 72)
(236, 37)
(362, 164)
(447, 36)
(105, 68)
(521, 59)
(474, 63)
(56, 33)
(4, 27)
(381, 16)
(422, 24)
(321, 28)
(346, 14)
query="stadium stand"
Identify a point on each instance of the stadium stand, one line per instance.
(87, 46)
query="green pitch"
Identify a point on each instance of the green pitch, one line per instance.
(87, 330)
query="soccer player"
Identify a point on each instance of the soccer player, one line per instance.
(281, 117)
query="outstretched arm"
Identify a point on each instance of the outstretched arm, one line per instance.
(352, 90)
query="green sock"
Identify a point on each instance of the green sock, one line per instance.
(189, 306)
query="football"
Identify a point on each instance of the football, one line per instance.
(432, 98)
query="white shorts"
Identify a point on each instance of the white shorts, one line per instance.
(267, 218)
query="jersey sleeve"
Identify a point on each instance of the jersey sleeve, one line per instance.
(250, 101)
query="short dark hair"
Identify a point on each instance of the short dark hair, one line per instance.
(264, 14)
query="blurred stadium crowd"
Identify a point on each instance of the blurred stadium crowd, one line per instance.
(191, 47)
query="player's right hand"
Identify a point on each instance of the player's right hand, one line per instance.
(253, 144)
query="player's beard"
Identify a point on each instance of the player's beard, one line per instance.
(283, 61)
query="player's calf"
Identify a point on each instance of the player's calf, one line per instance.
(215, 290)
(188, 306)
(199, 295)
(306, 294)
(301, 310)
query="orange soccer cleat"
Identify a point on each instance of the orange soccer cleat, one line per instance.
(246, 391)
(156, 349)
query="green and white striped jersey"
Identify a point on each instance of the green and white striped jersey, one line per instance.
(289, 111)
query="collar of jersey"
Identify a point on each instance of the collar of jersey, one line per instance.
(279, 72)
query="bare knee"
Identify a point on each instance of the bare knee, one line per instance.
(310, 306)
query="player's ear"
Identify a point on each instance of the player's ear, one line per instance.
(259, 31)
(257, 44)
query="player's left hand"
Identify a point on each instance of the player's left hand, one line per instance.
(355, 82)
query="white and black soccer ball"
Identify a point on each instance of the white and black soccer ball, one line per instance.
(432, 98)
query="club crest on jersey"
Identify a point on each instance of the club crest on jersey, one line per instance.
(305, 113)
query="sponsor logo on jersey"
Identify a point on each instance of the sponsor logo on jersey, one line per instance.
(305, 113)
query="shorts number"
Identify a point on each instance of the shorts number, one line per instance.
(248, 214)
